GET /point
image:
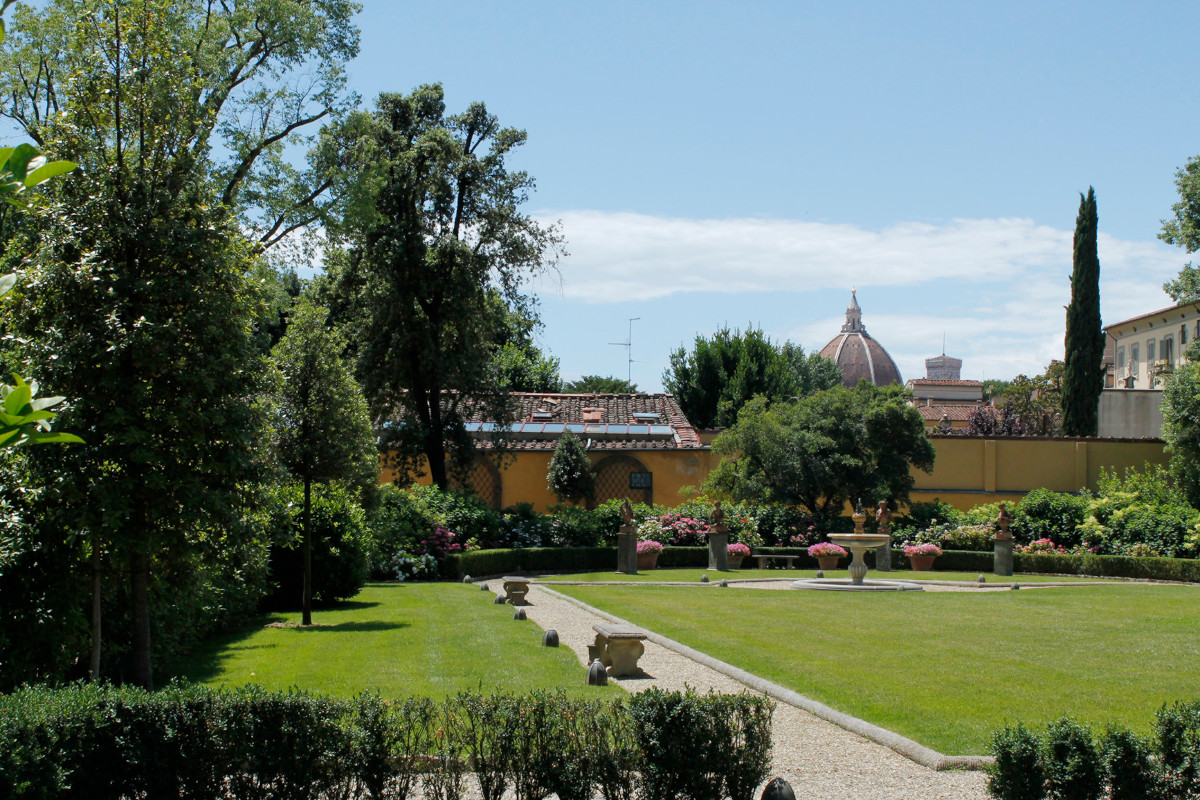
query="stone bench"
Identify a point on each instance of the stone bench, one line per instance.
(764, 561)
(515, 589)
(618, 647)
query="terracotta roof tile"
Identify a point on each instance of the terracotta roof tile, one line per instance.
(608, 409)
(933, 382)
(955, 413)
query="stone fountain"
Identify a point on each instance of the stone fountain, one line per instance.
(858, 543)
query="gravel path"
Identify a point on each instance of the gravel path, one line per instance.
(820, 760)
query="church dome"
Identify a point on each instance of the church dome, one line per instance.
(858, 355)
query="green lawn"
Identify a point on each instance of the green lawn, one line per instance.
(692, 574)
(946, 669)
(399, 639)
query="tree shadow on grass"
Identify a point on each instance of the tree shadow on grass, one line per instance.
(350, 627)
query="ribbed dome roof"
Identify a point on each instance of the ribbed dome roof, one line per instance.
(858, 355)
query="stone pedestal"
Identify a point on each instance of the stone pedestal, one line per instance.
(718, 548)
(1004, 556)
(883, 556)
(627, 556)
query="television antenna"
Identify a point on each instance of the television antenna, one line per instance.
(628, 345)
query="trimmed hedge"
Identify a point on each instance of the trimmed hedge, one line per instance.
(1161, 569)
(1071, 762)
(530, 559)
(589, 559)
(196, 743)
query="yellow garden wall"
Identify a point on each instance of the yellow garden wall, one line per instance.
(968, 471)
(971, 471)
(524, 479)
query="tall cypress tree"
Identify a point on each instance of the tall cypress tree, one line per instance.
(1083, 376)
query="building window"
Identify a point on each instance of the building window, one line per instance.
(1182, 336)
(1150, 359)
(1168, 350)
(1133, 358)
(1120, 360)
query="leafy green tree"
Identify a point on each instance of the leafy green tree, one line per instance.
(1181, 422)
(519, 364)
(597, 384)
(813, 371)
(1033, 404)
(437, 239)
(570, 476)
(819, 452)
(721, 374)
(141, 292)
(1183, 230)
(323, 432)
(1083, 372)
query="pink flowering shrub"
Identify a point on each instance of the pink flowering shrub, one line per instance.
(649, 546)
(1040, 546)
(737, 550)
(922, 550)
(803, 537)
(438, 544)
(677, 530)
(826, 550)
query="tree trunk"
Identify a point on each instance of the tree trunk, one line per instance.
(139, 589)
(307, 533)
(96, 587)
(435, 454)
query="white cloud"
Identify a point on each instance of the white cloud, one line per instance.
(996, 287)
(618, 254)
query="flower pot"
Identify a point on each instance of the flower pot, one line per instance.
(734, 562)
(921, 563)
(828, 562)
(647, 560)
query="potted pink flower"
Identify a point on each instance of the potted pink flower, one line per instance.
(734, 554)
(921, 556)
(827, 554)
(647, 553)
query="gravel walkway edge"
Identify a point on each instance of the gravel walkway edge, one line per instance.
(922, 755)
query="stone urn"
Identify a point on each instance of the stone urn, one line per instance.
(648, 560)
(921, 563)
(734, 562)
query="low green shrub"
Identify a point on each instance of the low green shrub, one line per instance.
(479, 563)
(1177, 745)
(575, 526)
(678, 734)
(1044, 514)
(1017, 773)
(1161, 569)
(396, 523)
(1128, 765)
(922, 515)
(683, 557)
(97, 742)
(1071, 762)
(339, 554)
(1068, 764)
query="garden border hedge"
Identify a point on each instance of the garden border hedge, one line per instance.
(482, 563)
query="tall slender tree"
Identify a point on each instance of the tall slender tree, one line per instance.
(438, 237)
(179, 114)
(1083, 374)
(323, 429)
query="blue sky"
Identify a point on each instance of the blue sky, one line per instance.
(715, 164)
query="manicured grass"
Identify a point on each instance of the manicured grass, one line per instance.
(690, 574)
(946, 669)
(399, 639)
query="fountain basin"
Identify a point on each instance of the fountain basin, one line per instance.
(844, 585)
(858, 544)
